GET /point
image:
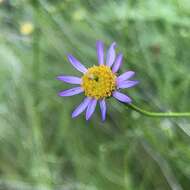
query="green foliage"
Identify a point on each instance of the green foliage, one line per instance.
(41, 146)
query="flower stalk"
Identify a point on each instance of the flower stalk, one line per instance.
(157, 114)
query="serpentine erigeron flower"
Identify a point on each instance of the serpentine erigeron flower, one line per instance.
(99, 82)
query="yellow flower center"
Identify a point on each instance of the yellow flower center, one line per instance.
(99, 82)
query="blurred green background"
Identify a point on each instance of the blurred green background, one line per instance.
(41, 147)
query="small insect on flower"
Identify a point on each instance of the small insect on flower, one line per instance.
(99, 82)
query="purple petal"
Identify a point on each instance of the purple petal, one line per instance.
(127, 84)
(118, 63)
(72, 91)
(81, 107)
(103, 109)
(125, 76)
(111, 55)
(76, 64)
(121, 97)
(91, 108)
(70, 79)
(100, 52)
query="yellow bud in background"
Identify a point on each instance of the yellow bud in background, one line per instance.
(79, 15)
(26, 28)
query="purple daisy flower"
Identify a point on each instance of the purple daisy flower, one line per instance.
(99, 82)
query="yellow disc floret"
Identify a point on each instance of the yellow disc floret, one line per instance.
(99, 82)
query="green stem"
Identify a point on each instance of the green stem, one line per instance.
(158, 114)
(36, 43)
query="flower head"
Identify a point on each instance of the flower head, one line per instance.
(99, 82)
